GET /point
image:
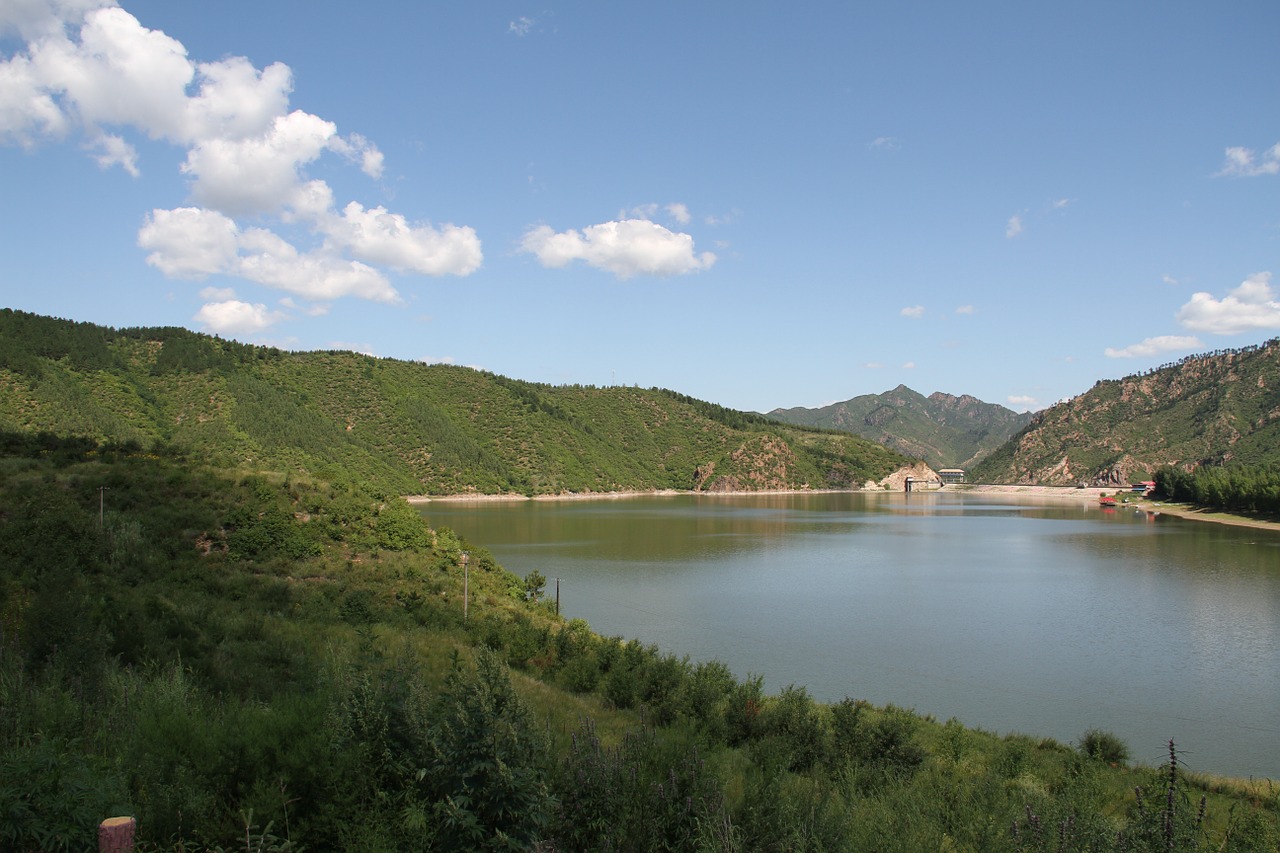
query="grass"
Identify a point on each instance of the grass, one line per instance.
(197, 688)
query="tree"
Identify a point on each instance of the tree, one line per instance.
(534, 584)
(487, 763)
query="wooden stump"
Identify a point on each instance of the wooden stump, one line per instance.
(115, 835)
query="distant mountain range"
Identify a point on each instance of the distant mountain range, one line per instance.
(944, 430)
(1211, 409)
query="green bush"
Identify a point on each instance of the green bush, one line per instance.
(1104, 746)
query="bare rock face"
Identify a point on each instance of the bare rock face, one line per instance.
(897, 481)
(725, 485)
(881, 416)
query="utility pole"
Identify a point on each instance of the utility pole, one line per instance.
(466, 582)
(102, 491)
(557, 596)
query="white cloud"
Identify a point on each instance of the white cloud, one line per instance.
(118, 73)
(520, 26)
(1022, 402)
(34, 19)
(625, 248)
(259, 174)
(910, 365)
(1168, 279)
(189, 242)
(311, 309)
(236, 100)
(1155, 346)
(873, 365)
(1246, 163)
(90, 67)
(913, 312)
(270, 260)
(217, 294)
(1013, 227)
(965, 309)
(380, 237)
(883, 143)
(676, 211)
(116, 152)
(1251, 306)
(27, 110)
(236, 317)
(196, 243)
(359, 150)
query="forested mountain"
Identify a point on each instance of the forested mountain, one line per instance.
(1216, 408)
(403, 427)
(944, 430)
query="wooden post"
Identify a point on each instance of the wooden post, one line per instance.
(115, 835)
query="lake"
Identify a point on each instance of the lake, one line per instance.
(1045, 618)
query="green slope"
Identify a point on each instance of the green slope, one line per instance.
(944, 430)
(1210, 409)
(402, 426)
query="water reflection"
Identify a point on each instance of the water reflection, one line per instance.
(1048, 619)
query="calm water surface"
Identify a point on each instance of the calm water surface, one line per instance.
(1009, 615)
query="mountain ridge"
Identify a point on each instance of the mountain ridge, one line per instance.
(945, 430)
(1208, 409)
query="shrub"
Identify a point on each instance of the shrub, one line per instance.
(1104, 746)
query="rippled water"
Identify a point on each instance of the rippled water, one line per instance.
(1004, 613)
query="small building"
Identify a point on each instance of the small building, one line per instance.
(951, 475)
(1144, 488)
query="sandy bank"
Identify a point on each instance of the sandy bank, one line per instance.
(1091, 494)
(604, 496)
(1056, 493)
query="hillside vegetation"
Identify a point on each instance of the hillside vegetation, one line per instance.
(403, 427)
(944, 430)
(266, 662)
(1214, 409)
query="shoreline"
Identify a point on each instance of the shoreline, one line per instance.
(1058, 493)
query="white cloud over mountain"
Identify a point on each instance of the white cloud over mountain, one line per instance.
(1155, 346)
(235, 317)
(1249, 307)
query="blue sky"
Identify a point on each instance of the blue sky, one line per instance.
(758, 204)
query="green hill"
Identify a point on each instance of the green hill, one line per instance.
(407, 428)
(944, 430)
(1211, 409)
